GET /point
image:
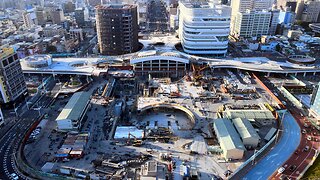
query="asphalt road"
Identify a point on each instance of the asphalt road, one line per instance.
(301, 158)
(9, 142)
(286, 146)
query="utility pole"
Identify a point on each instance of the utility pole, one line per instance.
(15, 109)
(254, 157)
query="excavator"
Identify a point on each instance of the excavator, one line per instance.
(196, 72)
(136, 142)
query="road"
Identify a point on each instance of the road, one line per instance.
(9, 141)
(301, 158)
(280, 153)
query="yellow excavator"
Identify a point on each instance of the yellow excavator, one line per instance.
(136, 142)
(196, 72)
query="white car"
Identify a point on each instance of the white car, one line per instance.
(280, 170)
(14, 176)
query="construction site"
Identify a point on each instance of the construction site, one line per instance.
(173, 124)
(161, 128)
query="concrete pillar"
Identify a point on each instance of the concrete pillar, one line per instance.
(304, 74)
(286, 74)
(295, 74)
(314, 73)
(268, 74)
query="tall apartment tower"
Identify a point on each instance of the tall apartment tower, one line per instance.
(252, 24)
(56, 15)
(81, 16)
(12, 82)
(69, 7)
(308, 10)
(29, 18)
(241, 6)
(282, 4)
(204, 28)
(157, 16)
(274, 21)
(41, 16)
(117, 29)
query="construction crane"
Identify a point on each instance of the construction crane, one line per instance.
(196, 72)
(136, 142)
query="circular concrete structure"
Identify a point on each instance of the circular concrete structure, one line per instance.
(38, 61)
(301, 59)
(78, 63)
(172, 106)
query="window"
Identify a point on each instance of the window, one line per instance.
(4, 63)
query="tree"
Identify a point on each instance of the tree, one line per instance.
(278, 47)
(51, 49)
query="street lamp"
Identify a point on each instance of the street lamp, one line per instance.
(254, 156)
(39, 110)
(27, 103)
(15, 109)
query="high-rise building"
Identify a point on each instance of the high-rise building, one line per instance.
(308, 10)
(69, 7)
(204, 28)
(41, 16)
(282, 4)
(56, 15)
(79, 16)
(315, 102)
(12, 82)
(274, 21)
(7, 4)
(93, 3)
(286, 16)
(29, 18)
(259, 5)
(241, 6)
(117, 29)
(252, 23)
(157, 16)
(80, 4)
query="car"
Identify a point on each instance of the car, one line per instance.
(309, 138)
(283, 177)
(216, 177)
(314, 133)
(306, 148)
(281, 170)
(306, 125)
(14, 176)
(227, 173)
(293, 167)
(297, 151)
(304, 131)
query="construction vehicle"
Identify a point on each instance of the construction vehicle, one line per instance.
(187, 77)
(196, 72)
(136, 142)
(174, 94)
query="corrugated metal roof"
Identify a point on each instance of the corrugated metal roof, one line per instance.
(244, 128)
(248, 114)
(227, 134)
(75, 106)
